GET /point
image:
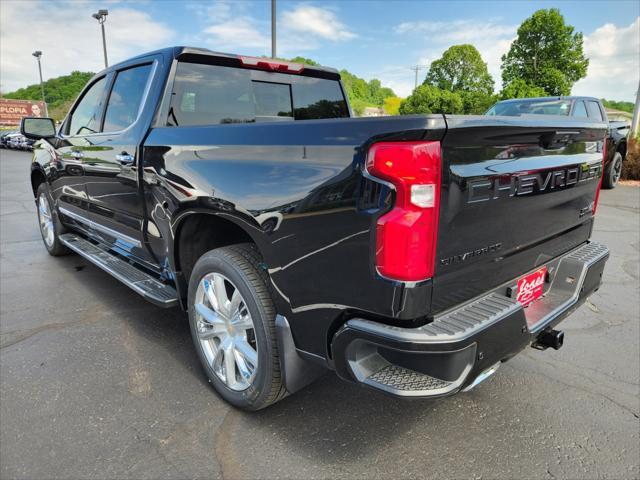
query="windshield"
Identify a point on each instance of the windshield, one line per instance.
(531, 107)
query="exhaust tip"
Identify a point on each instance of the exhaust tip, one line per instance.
(549, 338)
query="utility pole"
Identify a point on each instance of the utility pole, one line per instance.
(101, 16)
(273, 28)
(38, 54)
(415, 69)
(636, 115)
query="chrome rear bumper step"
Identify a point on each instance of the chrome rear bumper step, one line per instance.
(142, 283)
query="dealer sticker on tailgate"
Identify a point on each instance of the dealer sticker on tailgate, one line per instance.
(531, 286)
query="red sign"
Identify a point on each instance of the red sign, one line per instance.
(12, 111)
(530, 287)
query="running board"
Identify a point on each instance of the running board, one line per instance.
(139, 281)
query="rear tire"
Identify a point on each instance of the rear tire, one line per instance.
(613, 171)
(234, 331)
(50, 226)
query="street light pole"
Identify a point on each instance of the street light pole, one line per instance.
(273, 28)
(101, 16)
(38, 54)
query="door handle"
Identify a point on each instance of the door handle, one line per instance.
(125, 159)
(77, 154)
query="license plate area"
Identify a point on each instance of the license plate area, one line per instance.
(530, 287)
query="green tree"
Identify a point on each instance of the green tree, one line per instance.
(430, 99)
(519, 88)
(392, 105)
(546, 53)
(476, 103)
(462, 70)
(362, 93)
(306, 61)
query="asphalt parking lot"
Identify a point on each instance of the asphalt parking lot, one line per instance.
(97, 383)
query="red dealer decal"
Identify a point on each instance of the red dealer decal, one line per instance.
(530, 287)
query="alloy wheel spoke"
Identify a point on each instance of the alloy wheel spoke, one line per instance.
(247, 351)
(236, 301)
(208, 290)
(243, 322)
(230, 366)
(209, 331)
(243, 367)
(220, 294)
(208, 315)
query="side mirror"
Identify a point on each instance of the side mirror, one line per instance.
(37, 127)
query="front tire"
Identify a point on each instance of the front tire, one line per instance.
(232, 320)
(50, 226)
(613, 172)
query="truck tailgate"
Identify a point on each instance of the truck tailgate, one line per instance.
(515, 193)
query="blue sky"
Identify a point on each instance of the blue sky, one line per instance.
(370, 38)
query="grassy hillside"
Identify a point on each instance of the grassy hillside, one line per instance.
(624, 106)
(59, 92)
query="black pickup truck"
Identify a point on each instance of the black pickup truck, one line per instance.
(579, 107)
(409, 254)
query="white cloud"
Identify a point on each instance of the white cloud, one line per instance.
(316, 21)
(301, 29)
(491, 38)
(212, 12)
(237, 33)
(458, 30)
(614, 62)
(70, 39)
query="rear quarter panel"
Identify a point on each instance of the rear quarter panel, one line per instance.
(294, 187)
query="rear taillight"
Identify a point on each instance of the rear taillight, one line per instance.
(271, 65)
(604, 156)
(406, 236)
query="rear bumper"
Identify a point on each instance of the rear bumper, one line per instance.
(464, 345)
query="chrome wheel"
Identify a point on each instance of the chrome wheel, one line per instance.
(46, 220)
(617, 168)
(225, 331)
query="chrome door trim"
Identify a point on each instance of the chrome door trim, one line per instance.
(100, 227)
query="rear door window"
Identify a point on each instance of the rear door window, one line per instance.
(316, 98)
(126, 97)
(594, 110)
(579, 110)
(273, 101)
(212, 94)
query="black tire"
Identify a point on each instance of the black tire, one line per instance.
(612, 173)
(54, 247)
(241, 264)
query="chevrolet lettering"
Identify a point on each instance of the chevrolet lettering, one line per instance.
(524, 183)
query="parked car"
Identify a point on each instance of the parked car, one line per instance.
(4, 139)
(15, 140)
(578, 107)
(409, 254)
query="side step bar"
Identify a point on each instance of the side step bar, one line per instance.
(139, 281)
